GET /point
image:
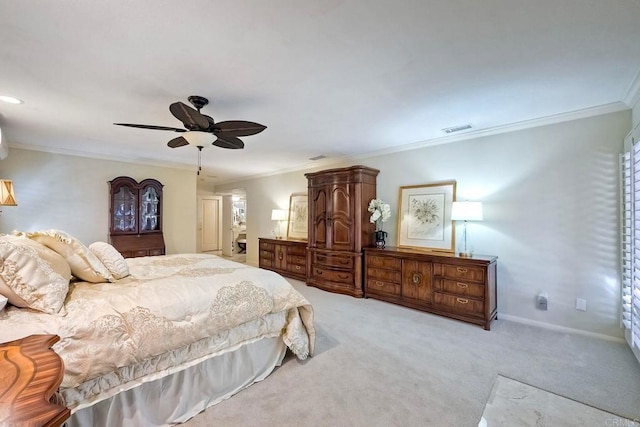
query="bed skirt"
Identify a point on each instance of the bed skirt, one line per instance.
(177, 398)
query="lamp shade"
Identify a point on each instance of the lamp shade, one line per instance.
(278, 215)
(466, 211)
(7, 198)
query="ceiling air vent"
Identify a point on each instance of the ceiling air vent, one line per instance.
(456, 128)
(321, 156)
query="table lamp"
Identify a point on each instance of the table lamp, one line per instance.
(466, 211)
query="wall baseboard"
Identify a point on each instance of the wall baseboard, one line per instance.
(557, 328)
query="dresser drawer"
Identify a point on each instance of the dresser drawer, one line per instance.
(266, 246)
(297, 268)
(464, 289)
(394, 276)
(384, 262)
(461, 305)
(297, 250)
(475, 274)
(340, 261)
(345, 277)
(266, 254)
(265, 262)
(383, 287)
(297, 259)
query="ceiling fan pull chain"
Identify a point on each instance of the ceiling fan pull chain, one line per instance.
(199, 158)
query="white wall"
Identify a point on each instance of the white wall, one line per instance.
(71, 193)
(550, 199)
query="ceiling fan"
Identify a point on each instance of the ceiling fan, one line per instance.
(200, 129)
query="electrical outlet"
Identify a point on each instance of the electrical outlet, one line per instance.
(543, 300)
(581, 304)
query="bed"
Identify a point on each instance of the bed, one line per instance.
(152, 340)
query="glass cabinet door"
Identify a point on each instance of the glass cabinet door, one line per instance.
(149, 210)
(124, 210)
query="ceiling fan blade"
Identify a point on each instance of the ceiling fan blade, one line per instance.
(131, 125)
(178, 142)
(191, 118)
(229, 142)
(237, 128)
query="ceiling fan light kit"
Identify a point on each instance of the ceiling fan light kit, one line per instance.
(201, 130)
(198, 138)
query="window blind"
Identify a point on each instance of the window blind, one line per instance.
(635, 229)
(630, 242)
(626, 238)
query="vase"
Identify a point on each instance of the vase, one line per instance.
(380, 238)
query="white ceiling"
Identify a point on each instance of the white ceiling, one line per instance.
(339, 78)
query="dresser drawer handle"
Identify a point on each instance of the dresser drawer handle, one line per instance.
(461, 270)
(462, 300)
(344, 261)
(416, 278)
(297, 267)
(319, 272)
(280, 255)
(343, 276)
(462, 285)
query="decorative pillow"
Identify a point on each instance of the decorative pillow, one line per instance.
(84, 264)
(111, 258)
(32, 275)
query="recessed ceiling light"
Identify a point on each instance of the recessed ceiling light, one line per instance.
(10, 99)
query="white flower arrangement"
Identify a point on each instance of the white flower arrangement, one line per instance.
(380, 212)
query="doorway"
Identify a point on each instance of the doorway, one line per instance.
(211, 225)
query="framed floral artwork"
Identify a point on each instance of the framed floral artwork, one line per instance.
(424, 220)
(298, 220)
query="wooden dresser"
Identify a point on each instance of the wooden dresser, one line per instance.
(287, 257)
(339, 227)
(444, 284)
(30, 373)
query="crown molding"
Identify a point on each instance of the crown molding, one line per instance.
(332, 161)
(633, 93)
(67, 152)
(512, 127)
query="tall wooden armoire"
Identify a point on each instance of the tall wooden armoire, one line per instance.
(339, 227)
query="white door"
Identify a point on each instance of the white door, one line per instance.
(210, 209)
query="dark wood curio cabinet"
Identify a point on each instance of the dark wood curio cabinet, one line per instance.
(135, 217)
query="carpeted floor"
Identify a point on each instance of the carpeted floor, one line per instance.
(379, 364)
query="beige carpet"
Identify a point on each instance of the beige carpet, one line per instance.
(514, 404)
(380, 364)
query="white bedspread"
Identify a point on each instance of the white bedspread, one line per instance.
(171, 312)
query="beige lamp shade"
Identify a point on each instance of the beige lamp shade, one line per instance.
(7, 197)
(278, 215)
(466, 211)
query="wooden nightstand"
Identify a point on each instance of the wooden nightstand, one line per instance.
(30, 373)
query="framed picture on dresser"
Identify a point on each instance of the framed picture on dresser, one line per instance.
(424, 220)
(298, 217)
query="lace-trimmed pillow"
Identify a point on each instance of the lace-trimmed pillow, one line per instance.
(111, 258)
(84, 264)
(32, 275)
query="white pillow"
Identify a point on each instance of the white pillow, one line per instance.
(32, 275)
(3, 302)
(111, 258)
(84, 264)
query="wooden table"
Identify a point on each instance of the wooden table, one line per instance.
(30, 374)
